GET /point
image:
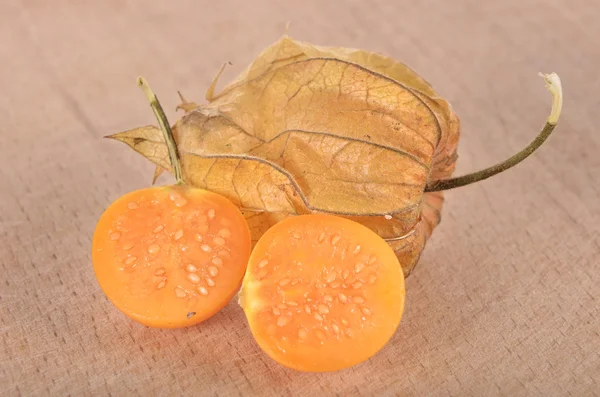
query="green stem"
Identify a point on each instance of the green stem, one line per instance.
(165, 128)
(553, 85)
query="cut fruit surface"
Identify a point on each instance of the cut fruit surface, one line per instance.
(170, 256)
(322, 293)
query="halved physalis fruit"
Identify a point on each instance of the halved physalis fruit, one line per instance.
(170, 256)
(322, 293)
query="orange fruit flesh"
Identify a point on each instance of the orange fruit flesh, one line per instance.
(170, 256)
(322, 293)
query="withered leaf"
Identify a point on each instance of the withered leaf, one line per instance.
(315, 129)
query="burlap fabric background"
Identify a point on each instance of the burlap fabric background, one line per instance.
(506, 298)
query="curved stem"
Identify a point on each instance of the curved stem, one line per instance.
(446, 184)
(553, 85)
(165, 128)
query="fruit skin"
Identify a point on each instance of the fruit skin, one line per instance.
(386, 299)
(138, 297)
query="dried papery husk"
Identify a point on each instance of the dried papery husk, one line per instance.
(309, 129)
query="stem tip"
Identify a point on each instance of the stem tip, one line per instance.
(554, 85)
(161, 117)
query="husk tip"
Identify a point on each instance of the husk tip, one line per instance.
(287, 29)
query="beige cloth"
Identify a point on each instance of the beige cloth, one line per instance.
(505, 300)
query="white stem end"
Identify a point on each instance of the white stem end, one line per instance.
(554, 85)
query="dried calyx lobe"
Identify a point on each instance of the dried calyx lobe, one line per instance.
(313, 129)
